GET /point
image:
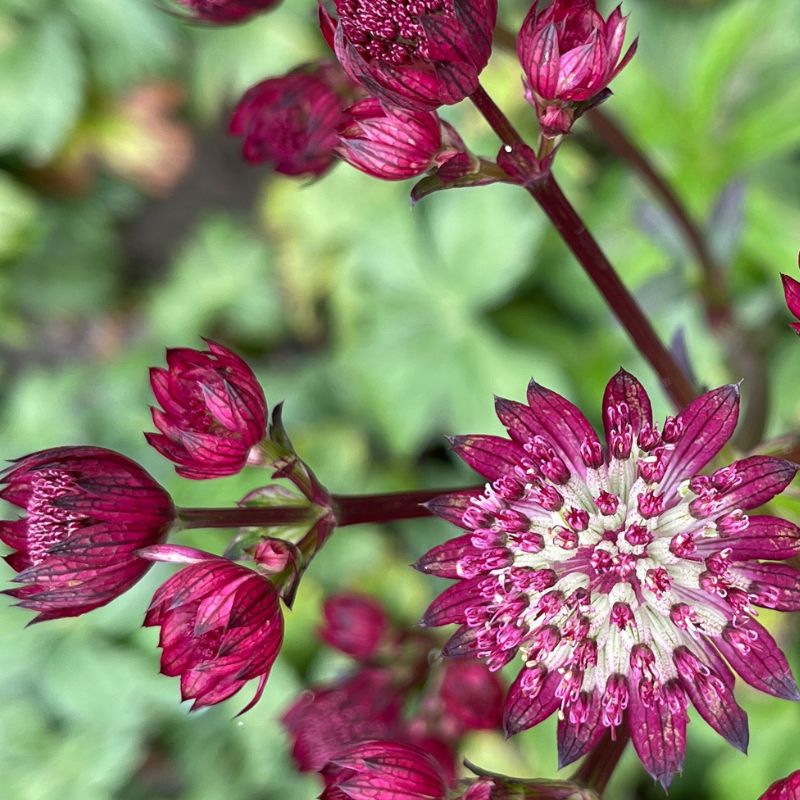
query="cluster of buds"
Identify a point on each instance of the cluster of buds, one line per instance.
(392, 672)
(95, 521)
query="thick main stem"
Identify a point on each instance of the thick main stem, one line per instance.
(251, 517)
(549, 196)
(597, 768)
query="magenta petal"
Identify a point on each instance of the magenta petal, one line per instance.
(490, 456)
(765, 537)
(451, 507)
(713, 698)
(791, 290)
(443, 559)
(753, 653)
(758, 480)
(708, 423)
(562, 423)
(658, 732)
(625, 388)
(527, 706)
(575, 739)
(773, 585)
(462, 644)
(451, 604)
(786, 789)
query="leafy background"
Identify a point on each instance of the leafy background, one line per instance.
(128, 223)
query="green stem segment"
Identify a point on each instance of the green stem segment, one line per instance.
(597, 768)
(549, 196)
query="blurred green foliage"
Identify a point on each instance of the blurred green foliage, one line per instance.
(127, 223)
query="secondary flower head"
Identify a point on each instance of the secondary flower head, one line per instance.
(791, 290)
(786, 789)
(417, 54)
(88, 511)
(290, 122)
(354, 624)
(214, 411)
(221, 625)
(569, 54)
(390, 143)
(623, 576)
(222, 12)
(384, 770)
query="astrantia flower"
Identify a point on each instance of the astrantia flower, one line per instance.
(354, 624)
(384, 770)
(791, 290)
(417, 54)
(221, 625)
(223, 12)
(569, 54)
(623, 577)
(214, 411)
(786, 789)
(290, 122)
(88, 511)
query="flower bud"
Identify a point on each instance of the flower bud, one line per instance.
(417, 54)
(224, 12)
(290, 122)
(214, 411)
(354, 624)
(390, 143)
(221, 625)
(88, 512)
(384, 770)
(569, 54)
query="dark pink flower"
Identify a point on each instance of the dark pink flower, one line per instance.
(354, 624)
(390, 143)
(214, 411)
(290, 122)
(417, 54)
(472, 695)
(223, 12)
(569, 54)
(624, 577)
(785, 789)
(221, 625)
(791, 290)
(88, 511)
(328, 719)
(384, 770)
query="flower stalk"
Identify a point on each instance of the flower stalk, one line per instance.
(597, 768)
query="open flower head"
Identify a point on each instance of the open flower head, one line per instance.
(628, 581)
(88, 511)
(212, 411)
(417, 54)
(221, 625)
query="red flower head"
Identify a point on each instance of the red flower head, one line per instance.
(223, 12)
(624, 577)
(417, 54)
(214, 411)
(390, 143)
(791, 290)
(786, 789)
(569, 54)
(290, 122)
(354, 624)
(88, 511)
(221, 625)
(384, 770)
(328, 719)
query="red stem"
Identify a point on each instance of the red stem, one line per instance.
(549, 196)
(252, 517)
